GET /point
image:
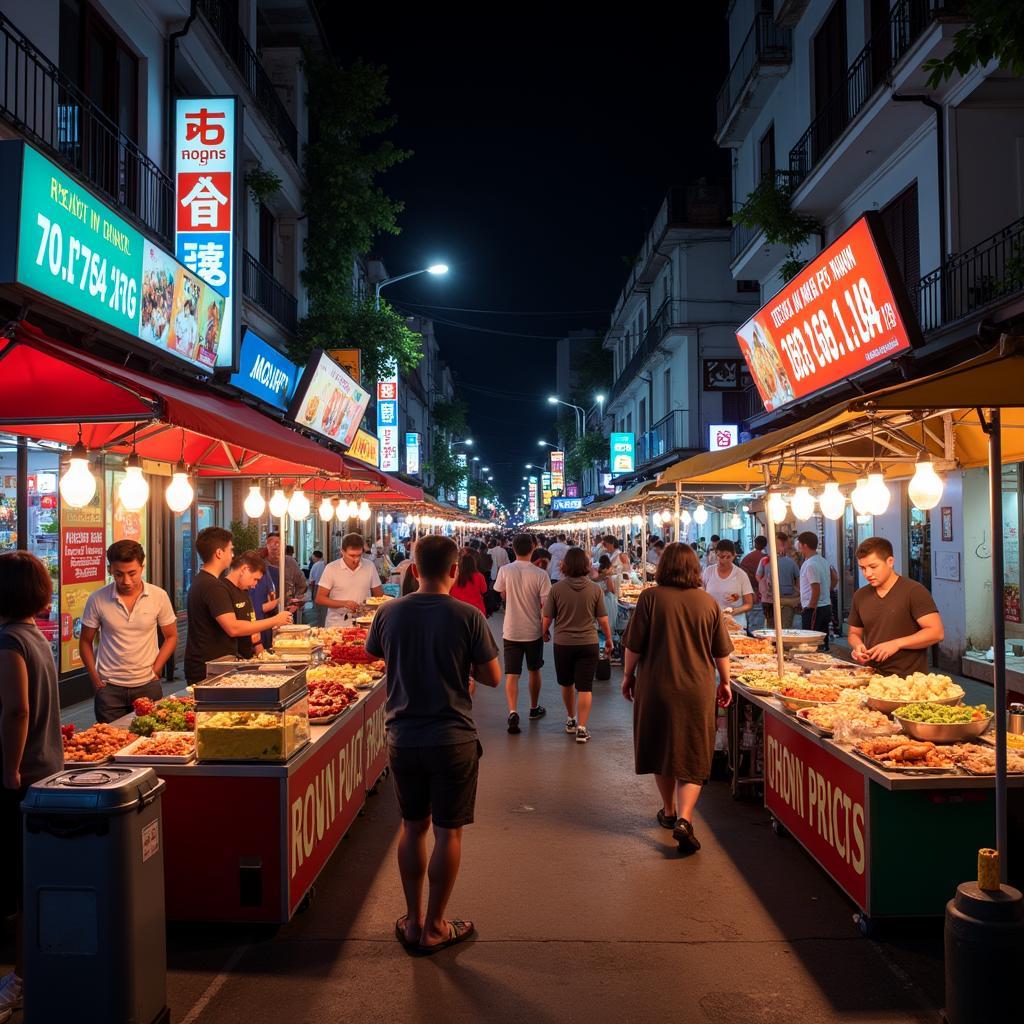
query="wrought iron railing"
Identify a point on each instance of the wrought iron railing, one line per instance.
(667, 435)
(906, 22)
(742, 235)
(45, 106)
(224, 23)
(260, 285)
(766, 43)
(669, 315)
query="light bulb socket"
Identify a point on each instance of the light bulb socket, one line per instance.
(133, 461)
(79, 451)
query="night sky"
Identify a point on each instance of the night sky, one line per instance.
(544, 145)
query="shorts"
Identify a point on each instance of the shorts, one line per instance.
(514, 651)
(438, 782)
(575, 665)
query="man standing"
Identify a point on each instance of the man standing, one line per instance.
(347, 583)
(128, 615)
(711, 558)
(558, 551)
(294, 578)
(525, 589)
(814, 586)
(750, 563)
(433, 644)
(247, 571)
(789, 583)
(316, 570)
(499, 557)
(893, 620)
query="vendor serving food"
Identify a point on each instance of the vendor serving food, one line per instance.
(729, 585)
(347, 583)
(893, 620)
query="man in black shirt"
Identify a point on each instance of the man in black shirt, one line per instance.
(247, 570)
(432, 643)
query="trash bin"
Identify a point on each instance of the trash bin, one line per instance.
(95, 944)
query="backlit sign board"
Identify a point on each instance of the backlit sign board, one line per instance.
(265, 373)
(328, 401)
(623, 453)
(722, 436)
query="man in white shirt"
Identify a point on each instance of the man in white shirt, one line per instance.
(347, 583)
(815, 581)
(499, 557)
(525, 588)
(558, 551)
(127, 615)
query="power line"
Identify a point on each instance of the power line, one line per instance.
(515, 312)
(491, 330)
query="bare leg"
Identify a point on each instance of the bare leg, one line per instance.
(442, 872)
(667, 788)
(512, 691)
(687, 794)
(534, 688)
(569, 700)
(412, 866)
(583, 702)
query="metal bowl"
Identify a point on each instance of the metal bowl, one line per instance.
(889, 706)
(796, 703)
(953, 732)
(793, 637)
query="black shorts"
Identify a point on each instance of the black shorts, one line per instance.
(575, 665)
(514, 651)
(438, 782)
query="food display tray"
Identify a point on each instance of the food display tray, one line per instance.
(903, 769)
(887, 706)
(128, 755)
(282, 684)
(816, 729)
(89, 764)
(810, 638)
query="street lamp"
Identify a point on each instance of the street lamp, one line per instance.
(580, 414)
(485, 469)
(435, 268)
(468, 442)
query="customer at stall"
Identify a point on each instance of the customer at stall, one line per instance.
(574, 603)
(712, 553)
(499, 557)
(30, 740)
(432, 645)
(893, 620)
(729, 585)
(347, 582)
(541, 558)
(620, 560)
(295, 583)
(675, 641)
(470, 585)
(128, 616)
(558, 551)
(815, 581)
(247, 569)
(789, 583)
(750, 563)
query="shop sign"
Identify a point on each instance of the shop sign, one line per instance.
(623, 453)
(387, 422)
(365, 448)
(206, 175)
(558, 472)
(325, 794)
(607, 483)
(264, 373)
(821, 802)
(589, 499)
(462, 494)
(566, 504)
(83, 569)
(534, 509)
(412, 453)
(328, 401)
(472, 505)
(572, 490)
(374, 713)
(74, 250)
(722, 436)
(350, 360)
(845, 312)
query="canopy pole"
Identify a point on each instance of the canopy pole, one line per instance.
(995, 486)
(643, 543)
(773, 556)
(280, 569)
(678, 524)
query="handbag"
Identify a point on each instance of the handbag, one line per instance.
(604, 670)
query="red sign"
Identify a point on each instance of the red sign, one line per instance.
(821, 801)
(387, 390)
(843, 313)
(374, 712)
(204, 201)
(325, 794)
(82, 555)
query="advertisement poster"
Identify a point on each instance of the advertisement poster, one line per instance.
(83, 569)
(623, 453)
(839, 316)
(412, 454)
(328, 401)
(365, 448)
(265, 373)
(557, 472)
(123, 525)
(350, 360)
(534, 496)
(462, 495)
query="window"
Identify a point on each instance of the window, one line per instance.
(641, 418)
(899, 218)
(629, 423)
(766, 153)
(831, 114)
(746, 285)
(667, 380)
(641, 323)
(268, 225)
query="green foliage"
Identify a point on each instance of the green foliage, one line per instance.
(481, 489)
(768, 209)
(590, 448)
(593, 370)
(449, 416)
(995, 31)
(246, 538)
(261, 183)
(447, 473)
(566, 425)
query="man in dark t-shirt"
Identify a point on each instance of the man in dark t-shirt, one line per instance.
(893, 620)
(432, 643)
(247, 570)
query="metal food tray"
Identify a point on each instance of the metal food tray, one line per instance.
(127, 755)
(904, 770)
(816, 729)
(278, 690)
(90, 764)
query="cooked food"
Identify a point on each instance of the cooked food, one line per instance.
(942, 714)
(768, 680)
(921, 686)
(247, 680)
(345, 675)
(822, 694)
(165, 745)
(96, 743)
(747, 645)
(328, 699)
(829, 716)
(838, 677)
(851, 695)
(982, 760)
(376, 602)
(901, 752)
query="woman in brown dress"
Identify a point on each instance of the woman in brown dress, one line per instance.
(675, 640)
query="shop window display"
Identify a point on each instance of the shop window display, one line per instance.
(1011, 546)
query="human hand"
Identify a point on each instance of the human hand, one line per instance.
(723, 695)
(350, 605)
(860, 654)
(547, 637)
(883, 651)
(733, 598)
(283, 619)
(629, 687)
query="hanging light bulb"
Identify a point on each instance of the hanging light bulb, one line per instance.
(364, 512)
(389, 519)
(700, 515)
(78, 485)
(298, 506)
(802, 503)
(831, 501)
(735, 523)
(255, 504)
(179, 490)
(133, 489)
(278, 503)
(685, 518)
(325, 510)
(777, 507)
(860, 497)
(925, 488)
(878, 494)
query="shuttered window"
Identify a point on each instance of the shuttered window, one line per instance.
(899, 218)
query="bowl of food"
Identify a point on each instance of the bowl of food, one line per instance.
(887, 693)
(943, 723)
(767, 680)
(807, 638)
(804, 696)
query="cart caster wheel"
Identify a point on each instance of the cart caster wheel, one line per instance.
(779, 829)
(865, 925)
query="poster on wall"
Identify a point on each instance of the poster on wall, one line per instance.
(83, 570)
(328, 401)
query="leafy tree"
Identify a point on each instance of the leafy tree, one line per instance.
(447, 474)
(590, 448)
(767, 208)
(481, 489)
(995, 32)
(449, 416)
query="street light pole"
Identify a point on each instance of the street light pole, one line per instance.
(436, 269)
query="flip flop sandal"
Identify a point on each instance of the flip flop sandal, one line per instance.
(458, 931)
(400, 934)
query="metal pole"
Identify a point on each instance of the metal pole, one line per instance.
(280, 569)
(678, 524)
(643, 543)
(773, 555)
(995, 488)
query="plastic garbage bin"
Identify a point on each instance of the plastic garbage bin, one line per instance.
(95, 942)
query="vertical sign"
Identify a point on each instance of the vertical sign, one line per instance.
(206, 177)
(82, 569)
(387, 422)
(462, 497)
(472, 505)
(545, 485)
(557, 472)
(412, 454)
(623, 453)
(534, 509)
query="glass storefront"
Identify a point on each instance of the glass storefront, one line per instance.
(1011, 545)
(856, 528)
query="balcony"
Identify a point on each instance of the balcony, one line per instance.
(666, 436)
(45, 106)
(260, 285)
(223, 23)
(667, 317)
(762, 60)
(742, 238)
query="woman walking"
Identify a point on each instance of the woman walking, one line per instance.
(470, 585)
(608, 581)
(574, 602)
(675, 640)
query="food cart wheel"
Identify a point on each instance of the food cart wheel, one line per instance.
(865, 925)
(779, 829)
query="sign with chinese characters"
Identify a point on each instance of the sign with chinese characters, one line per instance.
(566, 504)
(572, 490)
(545, 487)
(623, 453)
(846, 311)
(365, 448)
(328, 401)
(83, 569)
(412, 453)
(722, 436)
(462, 495)
(472, 505)
(557, 472)
(75, 251)
(264, 373)
(206, 176)
(350, 360)
(387, 422)
(534, 503)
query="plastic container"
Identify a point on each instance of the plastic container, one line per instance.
(252, 732)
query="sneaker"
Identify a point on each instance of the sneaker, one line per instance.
(11, 990)
(513, 722)
(582, 734)
(570, 725)
(537, 712)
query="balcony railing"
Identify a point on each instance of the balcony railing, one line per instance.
(907, 21)
(224, 23)
(669, 315)
(989, 272)
(42, 103)
(766, 43)
(667, 435)
(742, 235)
(264, 289)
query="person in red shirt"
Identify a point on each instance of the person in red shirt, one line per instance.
(470, 586)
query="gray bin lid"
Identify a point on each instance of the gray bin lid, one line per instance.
(106, 789)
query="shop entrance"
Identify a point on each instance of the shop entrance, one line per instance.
(919, 546)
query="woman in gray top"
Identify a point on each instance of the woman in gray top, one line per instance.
(574, 603)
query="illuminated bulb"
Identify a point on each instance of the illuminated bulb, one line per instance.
(735, 523)
(831, 501)
(878, 494)
(685, 518)
(255, 504)
(860, 497)
(925, 488)
(364, 512)
(179, 490)
(133, 489)
(325, 510)
(278, 503)
(700, 515)
(389, 519)
(638, 520)
(802, 503)
(777, 507)
(298, 507)
(78, 485)
(746, 508)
